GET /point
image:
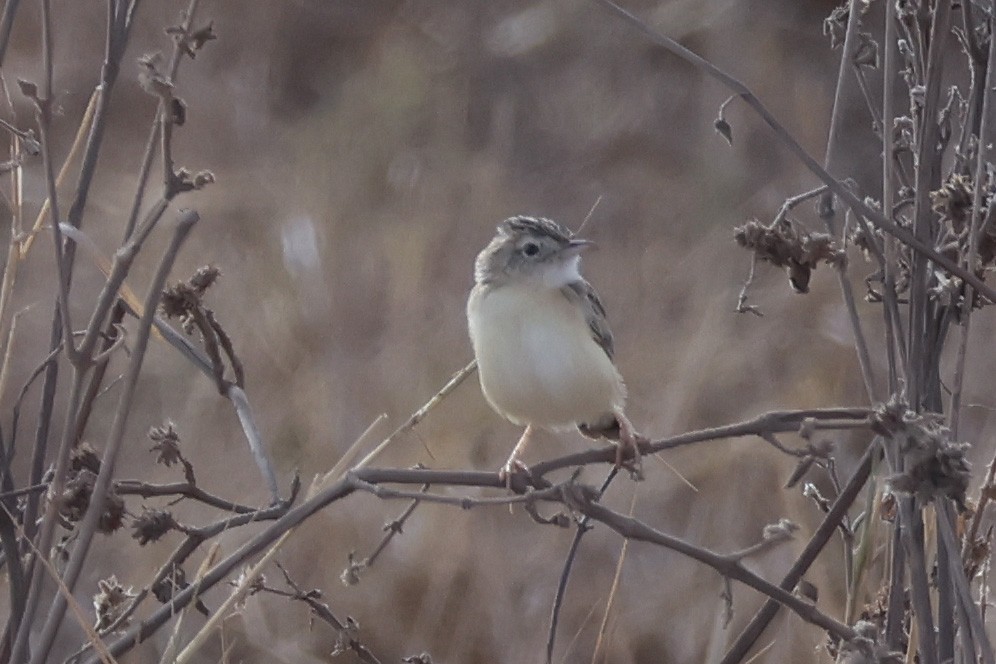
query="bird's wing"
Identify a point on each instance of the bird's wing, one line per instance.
(585, 296)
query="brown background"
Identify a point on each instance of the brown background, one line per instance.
(364, 152)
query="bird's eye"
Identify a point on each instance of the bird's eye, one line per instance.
(530, 249)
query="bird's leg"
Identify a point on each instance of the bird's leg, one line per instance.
(629, 440)
(513, 464)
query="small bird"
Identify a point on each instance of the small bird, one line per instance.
(543, 345)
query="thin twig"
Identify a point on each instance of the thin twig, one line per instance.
(591, 212)
(742, 306)
(50, 519)
(169, 651)
(463, 502)
(948, 609)
(988, 109)
(243, 409)
(609, 602)
(43, 104)
(150, 146)
(893, 336)
(727, 566)
(420, 414)
(834, 135)
(24, 247)
(963, 589)
(319, 487)
(911, 532)
(866, 93)
(927, 178)
(77, 611)
(184, 489)
(324, 613)
(771, 422)
(391, 530)
(986, 493)
(577, 634)
(273, 537)
(6, 25)
(558, 599)
(10, 269)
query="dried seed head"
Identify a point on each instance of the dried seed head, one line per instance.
(110, 602)
(179, 300)
(935, 467)
(75, 496)
(784, 245)
(75, 500)
(85, 457)
(167, 444)
(953, 201)
(151, 79)
(113, 516)
(193, 41)
(173, 582)
(151, 525)
(424, 658)
(934, 464)
(835, 25)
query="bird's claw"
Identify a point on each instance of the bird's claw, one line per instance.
(628, 450)
(511, 467)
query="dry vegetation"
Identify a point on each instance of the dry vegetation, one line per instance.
(260, 249)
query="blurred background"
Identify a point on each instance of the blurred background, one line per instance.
(364, 152)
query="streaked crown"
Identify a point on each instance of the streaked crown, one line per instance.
(523, 245)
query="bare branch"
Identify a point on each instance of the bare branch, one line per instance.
(727, 566)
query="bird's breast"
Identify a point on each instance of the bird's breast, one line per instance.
(537, 360)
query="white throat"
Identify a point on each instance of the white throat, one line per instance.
(562, 272)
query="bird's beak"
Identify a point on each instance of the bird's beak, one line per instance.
(576, 246)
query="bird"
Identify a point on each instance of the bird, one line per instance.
(542, 341)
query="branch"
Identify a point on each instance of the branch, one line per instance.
(771, 422)
(345, 637)
(351, 575)
(185, 489)
(728, 566)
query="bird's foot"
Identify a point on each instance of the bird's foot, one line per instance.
(628, 447)
(512, 466)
